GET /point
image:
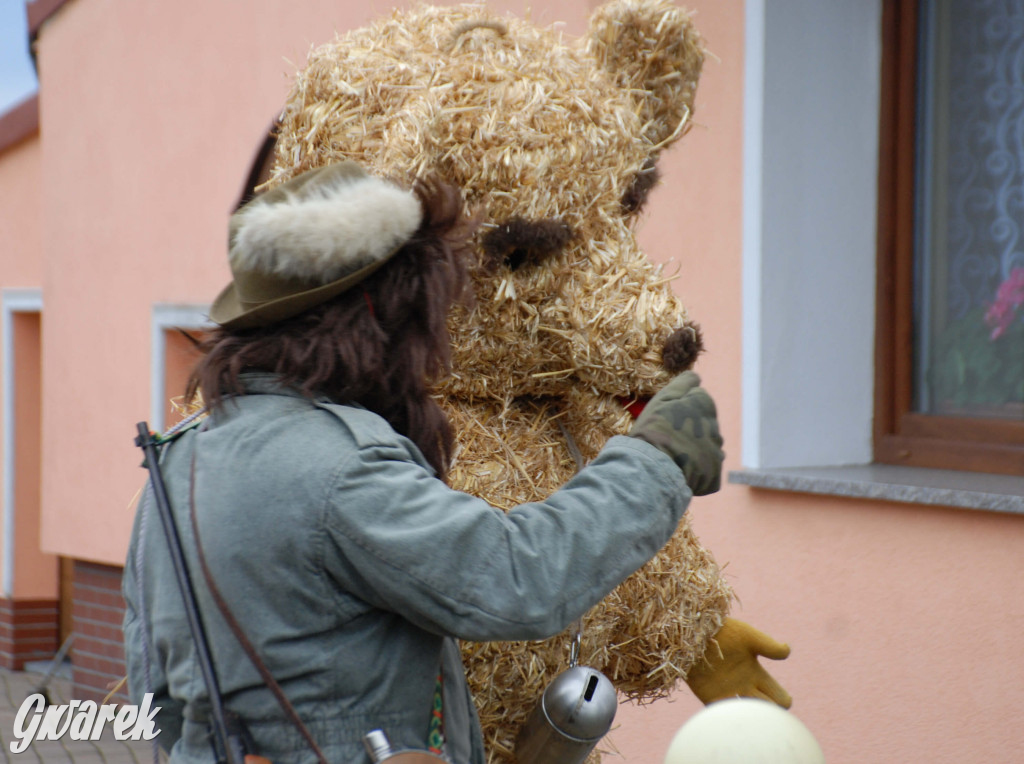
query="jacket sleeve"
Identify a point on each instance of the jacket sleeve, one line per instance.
(449, 562)
(145, 674)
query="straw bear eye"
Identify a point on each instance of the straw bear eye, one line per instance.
(640, 188)
(518, 242)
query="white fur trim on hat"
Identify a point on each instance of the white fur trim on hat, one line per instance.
(326, 230)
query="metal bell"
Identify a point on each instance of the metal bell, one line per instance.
(574, 713)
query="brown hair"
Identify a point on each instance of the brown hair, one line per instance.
(381, 344)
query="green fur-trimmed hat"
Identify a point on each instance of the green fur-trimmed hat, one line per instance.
(309, 240)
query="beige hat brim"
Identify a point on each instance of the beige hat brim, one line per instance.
(310, 239)
(231, 312)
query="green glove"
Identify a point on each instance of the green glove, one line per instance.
(680, 420)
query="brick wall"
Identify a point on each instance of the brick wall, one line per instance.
(97, 657)
(28, 631)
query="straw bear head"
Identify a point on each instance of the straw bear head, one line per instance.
(554, 145)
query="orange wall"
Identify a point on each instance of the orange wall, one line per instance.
(903, 619)
(21, 267)
(180, 356)
(35, 573)
(21, 215)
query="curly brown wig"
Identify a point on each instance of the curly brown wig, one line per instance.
(381, 344)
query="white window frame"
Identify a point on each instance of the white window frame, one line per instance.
(810, 198)
(14, 301)
(812, 99)
(164, 317)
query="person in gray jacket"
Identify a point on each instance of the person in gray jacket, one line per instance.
(316, 487)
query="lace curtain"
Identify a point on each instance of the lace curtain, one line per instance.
(970, 208)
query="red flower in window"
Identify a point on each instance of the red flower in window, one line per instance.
(1009, 298)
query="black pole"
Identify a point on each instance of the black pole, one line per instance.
(231, 748)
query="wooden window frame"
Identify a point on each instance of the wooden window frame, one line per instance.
(902, 436)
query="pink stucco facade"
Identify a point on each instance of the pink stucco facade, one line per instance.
(31, 573)
(903, 619)
(21, 213)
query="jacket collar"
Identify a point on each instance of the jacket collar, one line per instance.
(267, 383)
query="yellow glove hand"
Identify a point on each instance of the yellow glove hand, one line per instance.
(730, 667)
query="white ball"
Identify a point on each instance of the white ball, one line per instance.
(744, 731)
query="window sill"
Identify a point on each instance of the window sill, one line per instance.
(883, 482)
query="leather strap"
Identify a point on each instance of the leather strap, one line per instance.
(229, 618)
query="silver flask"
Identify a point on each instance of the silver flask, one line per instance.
(574, 713)
(379, 748)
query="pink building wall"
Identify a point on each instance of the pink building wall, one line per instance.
(28, 582)
(903, 619)
(21, 214)
(33, 573)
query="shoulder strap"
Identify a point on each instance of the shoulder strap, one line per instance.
(236, 628)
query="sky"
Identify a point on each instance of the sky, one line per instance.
(17, 77)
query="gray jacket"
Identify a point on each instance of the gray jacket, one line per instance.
(353, 570)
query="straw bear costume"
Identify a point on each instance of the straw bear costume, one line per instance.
(554, 145)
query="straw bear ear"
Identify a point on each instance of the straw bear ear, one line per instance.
(651, 48)
(640, 187)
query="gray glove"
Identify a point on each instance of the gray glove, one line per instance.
(681, 421)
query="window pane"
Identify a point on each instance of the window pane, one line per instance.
(969, 237)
